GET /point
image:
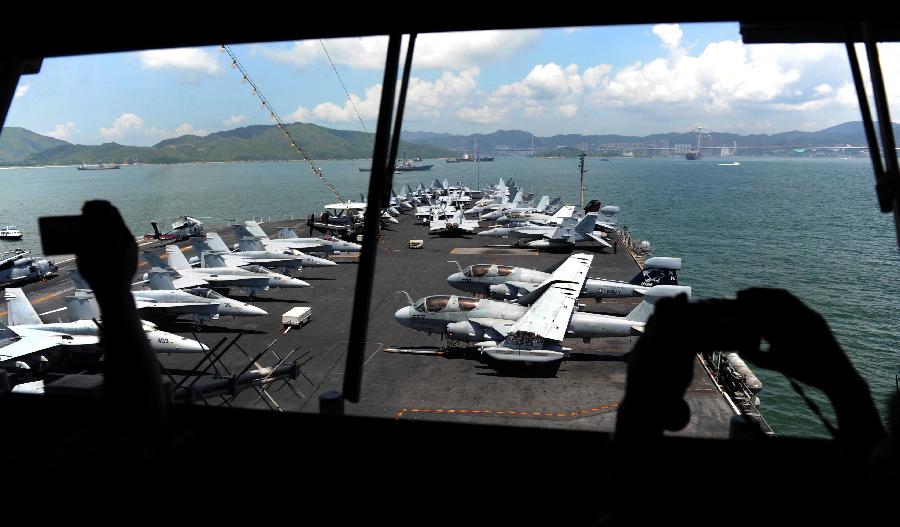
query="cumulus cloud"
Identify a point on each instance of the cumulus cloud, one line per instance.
(194, 60)
(122, 125)
(670, 35)
(433, 50)
(234, 120)
(483, 115)
(22, 90)
(63, 131)
(188, 129)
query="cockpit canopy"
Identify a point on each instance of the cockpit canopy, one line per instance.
(479, 270)
(437, 303)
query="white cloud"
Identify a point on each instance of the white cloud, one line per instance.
(63, 131)
(426, 98)
(22, 90)
(301, 114)
(193, 60)
(568, 110)
(188, 129)
(332, 113)
(670, 34)
(234, 120)
(123, 124)
(823, 89)
(457, 51)
(482, 115)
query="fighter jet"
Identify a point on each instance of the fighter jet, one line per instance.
(253, 251)
(214, 260)
(451, 222)
(16, 267)
(26, 339)
(569, 232)
(163, 291)
(186, 276)
(518, 207)
(532, 334)
(288, 240)
(504, 282)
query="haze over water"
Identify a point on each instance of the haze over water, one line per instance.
(810, 226)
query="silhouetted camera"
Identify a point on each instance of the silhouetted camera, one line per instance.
(61, 234)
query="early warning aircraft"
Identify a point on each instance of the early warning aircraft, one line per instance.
(504, 282)
(26, 337)
(531, 330)
(17, 267)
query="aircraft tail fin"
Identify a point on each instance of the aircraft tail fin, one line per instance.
(19, 311)
(545, 200)
(287, 232)
(155, 229)
(153, 259)
(586, 225)
(215, 243)
(82, 305)
(255, 230)
(160, 279)
(212, 260)
(517, 198)
(176, 258)
(250, 243)
(200, 246)
(643, 310)
(658, 270)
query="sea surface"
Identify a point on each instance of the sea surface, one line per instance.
(811, 226)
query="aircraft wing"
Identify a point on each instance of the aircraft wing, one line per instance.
(186, 282)
(498, 325)
(37, 343)
(599, 239)
(177, 308)
(548, 317)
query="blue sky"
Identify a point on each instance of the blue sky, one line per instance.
(634, 80)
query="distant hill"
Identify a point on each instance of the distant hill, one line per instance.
(17, 144)
(250, 143)
(843, 134)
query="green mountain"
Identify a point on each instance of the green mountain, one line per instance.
(17, 144)
(250, 143)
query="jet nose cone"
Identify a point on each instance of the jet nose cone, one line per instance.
(402, 316)
(296, 282)
(454, 279)
(254, 311)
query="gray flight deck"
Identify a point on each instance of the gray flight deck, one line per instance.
(414, 379)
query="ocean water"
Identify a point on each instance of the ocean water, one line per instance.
(810, 226)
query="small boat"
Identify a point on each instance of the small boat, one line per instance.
(735, 164)
(10, 232)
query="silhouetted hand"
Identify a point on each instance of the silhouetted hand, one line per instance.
(801, 345)
(108, 267)
(660, 368)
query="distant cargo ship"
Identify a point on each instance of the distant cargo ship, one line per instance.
(99, 166)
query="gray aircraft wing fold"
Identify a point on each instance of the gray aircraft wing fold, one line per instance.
(597, 238)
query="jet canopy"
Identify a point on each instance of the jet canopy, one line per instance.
(479, 270)
(438, 303)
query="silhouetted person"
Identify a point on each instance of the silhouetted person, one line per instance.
(660, 370)
(131, 376)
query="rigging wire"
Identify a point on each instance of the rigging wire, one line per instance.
(355, 109)
(236, 64)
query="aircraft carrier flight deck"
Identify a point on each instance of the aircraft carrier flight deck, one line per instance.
(409, 375)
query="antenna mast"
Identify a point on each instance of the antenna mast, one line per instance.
(581, 171)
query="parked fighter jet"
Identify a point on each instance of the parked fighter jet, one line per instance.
(569, 232)
(451, 222)
(518, 207)
(16, 267)
(214, 260)
(164, 291)
(514, 332)
(288, 240)
(253, 251)
(26, 338)
(186, 276)
(504, 282)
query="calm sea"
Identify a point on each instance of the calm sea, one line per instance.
(810, 226)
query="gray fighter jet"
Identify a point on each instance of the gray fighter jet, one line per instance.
(26, 338)
(186, 276)
(214, 260)
(533, 329)
(164, 292)
(504, 282)
(253, 252)
(569, 232)
(288, 240)
(17, 267)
